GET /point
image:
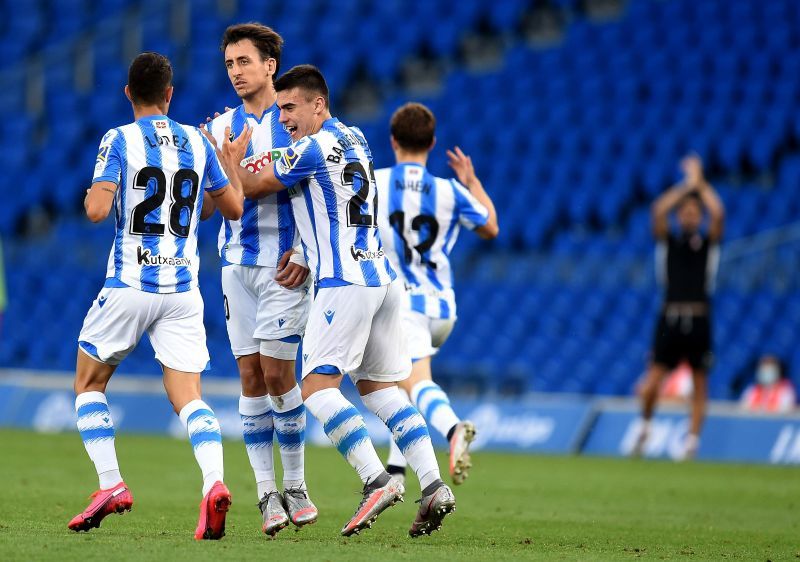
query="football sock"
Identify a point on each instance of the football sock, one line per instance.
(289, 414)
(396, 459)
(204, 434)
(433, 403)
(257, 429)
(345, 428)
(408, 431)
(97, 431)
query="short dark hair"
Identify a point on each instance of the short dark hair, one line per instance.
(306, 77)
(413, 126)
(691, 197)
(149, 76)
(265, 39)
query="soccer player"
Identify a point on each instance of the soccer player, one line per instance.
(265, 294)
(420, 218)
(154, 172)
(686, 264)
(354, 324)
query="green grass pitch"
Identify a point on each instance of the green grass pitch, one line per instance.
(513, 507)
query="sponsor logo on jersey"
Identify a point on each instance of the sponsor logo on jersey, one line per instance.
(366, 255)
(160, 124)
(329, 315)
(101, 301)
(146, 257)
(258, 162)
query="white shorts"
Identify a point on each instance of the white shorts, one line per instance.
(425, 334)
(359, 331)
(258, 309)
(173, 321)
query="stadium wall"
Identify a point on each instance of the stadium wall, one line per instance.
(550, 424)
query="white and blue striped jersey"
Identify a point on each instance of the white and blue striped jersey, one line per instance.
(420, 218)
(332, 187)
(267, 228)
(161, 169)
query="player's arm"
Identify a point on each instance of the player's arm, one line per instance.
(716, 210)
(292, 269)
(225, 191)
(228, 199)
(662, 207)
(209, 208)
(99, 200)
(254, 186)
(107, 175)
(465, 172)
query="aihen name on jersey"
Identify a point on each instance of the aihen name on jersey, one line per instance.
(256, 162)
(366, 255)
(145, 257)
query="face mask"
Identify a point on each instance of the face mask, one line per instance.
(767, 374)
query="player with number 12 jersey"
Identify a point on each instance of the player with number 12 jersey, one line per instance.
(420, 219)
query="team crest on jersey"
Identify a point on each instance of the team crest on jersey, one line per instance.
(160, 124)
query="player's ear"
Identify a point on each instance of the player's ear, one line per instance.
(319, 105)
(128, 93)
(168, 94)
(395, 146)
(271, 64)
(433, 143)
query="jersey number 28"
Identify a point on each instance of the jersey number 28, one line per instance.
(184, 176)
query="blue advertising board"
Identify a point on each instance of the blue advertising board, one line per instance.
(547, 425)
(735, 437)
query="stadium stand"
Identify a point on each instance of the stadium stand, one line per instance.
(573, 140)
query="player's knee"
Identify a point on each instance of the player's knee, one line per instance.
(252, 378)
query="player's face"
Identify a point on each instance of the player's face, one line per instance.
(248, 73)
(690, 216)
(299, 112)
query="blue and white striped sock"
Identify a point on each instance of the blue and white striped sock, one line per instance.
(97, 431)
(408, 431)
(434, 405)
(289, 414)
(206, 438)
(346, 429)
(257, 430)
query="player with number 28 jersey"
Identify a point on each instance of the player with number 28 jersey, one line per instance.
(162, 169)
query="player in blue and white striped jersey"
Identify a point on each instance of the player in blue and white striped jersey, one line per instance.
(420, 219)
(354, 324)
(263, 282)
(154, 173)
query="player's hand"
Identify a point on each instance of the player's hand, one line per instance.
(462, 166)
(290, 275)
(210, 137)
(216, 114)
(233, 151)
(692, 167)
